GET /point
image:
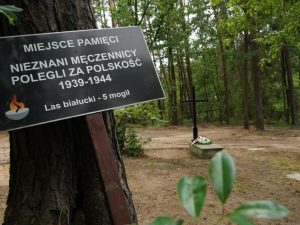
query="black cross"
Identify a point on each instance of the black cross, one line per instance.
(194, 101)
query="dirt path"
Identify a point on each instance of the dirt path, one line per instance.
(264, 159)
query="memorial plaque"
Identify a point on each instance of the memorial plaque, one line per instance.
(54, 76)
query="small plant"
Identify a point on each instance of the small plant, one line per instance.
(145, 114)
(132, 143)
(222, 172)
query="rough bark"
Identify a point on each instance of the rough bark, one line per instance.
(54, 178)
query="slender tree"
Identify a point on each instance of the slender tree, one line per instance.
(256, 76)
(223, 64)
(290, 85)
(173, 88)
(54, 178)
(245, 82)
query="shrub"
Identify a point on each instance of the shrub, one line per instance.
(144, 114)
(131, 144)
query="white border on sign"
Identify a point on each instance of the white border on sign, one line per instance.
(97, 111)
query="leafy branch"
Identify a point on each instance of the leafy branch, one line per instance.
(10, 12)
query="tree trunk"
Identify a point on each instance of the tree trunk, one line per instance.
(173, 89)
(54, 177)
(111, 4)
(284, 87)
(100, 12)
(290, 82)
(182, 84)
(161, 103)
(223, 67)
(190, 83)
(245, 83)
(299, 72)
(288, 76)
(219, 93)
(256, 76)
(136, 15)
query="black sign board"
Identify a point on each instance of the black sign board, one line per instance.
(54, 76)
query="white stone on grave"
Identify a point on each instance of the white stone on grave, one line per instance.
(203, 148)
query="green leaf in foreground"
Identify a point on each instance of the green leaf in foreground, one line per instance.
(166, 221)
(262, 210)
(239, 219)
(222, 173)
(9, 11)
(191, 192)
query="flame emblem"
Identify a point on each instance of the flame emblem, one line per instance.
(17, 109)
(16, 106)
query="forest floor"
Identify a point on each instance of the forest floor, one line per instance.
(264, 161)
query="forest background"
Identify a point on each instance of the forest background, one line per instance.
(241, 55)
